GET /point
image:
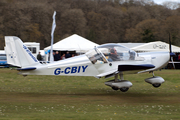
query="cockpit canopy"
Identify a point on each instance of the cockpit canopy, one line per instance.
(109, 53)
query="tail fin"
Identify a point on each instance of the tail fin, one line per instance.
(18, 54)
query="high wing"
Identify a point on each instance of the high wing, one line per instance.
(106, 60)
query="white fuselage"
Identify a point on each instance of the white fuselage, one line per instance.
(82, 66)
(104, 60)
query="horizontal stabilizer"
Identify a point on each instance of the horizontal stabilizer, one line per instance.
(23, 69)
(134, 67)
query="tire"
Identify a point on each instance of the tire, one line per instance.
(156, 85)
(115, 88)
(124, 89)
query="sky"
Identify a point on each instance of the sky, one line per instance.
(161, 1)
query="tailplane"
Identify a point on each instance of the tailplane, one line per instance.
(18, 54)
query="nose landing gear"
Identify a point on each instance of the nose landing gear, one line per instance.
(156, 81)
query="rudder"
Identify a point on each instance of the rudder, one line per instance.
(18, 54)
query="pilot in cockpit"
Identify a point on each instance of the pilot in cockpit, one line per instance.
(132, 55)
(113, 55)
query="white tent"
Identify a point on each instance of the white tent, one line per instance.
(73, 43)
(155, 46)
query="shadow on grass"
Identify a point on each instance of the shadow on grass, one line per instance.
(105, 96)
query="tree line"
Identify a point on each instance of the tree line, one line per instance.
(101, 21)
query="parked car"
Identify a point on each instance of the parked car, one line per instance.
(3, 59)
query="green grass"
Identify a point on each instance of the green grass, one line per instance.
(82, 98)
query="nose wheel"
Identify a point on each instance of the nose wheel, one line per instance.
(156, 85)
(156, 81)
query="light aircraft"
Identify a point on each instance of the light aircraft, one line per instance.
(105, 60)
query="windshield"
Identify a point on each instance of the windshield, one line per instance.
(96, 57)
(110, 52)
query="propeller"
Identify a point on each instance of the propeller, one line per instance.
(170, 51)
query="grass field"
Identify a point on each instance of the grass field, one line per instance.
(83, 98)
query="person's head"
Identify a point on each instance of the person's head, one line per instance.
(113, 51)
(57, 52)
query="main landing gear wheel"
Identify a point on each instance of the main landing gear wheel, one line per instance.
(117, 84)
(156, 85)
(115, 88)
(124, 89)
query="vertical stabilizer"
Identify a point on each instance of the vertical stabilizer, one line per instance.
(18, 54)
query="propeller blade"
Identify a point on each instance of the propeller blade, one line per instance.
(170, 51)
(170, 48)
(173, 62)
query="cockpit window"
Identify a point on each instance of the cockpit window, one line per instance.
(110, 53)
(96, 57)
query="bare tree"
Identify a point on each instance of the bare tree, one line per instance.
(96, 23)
(98, 20)
(136, 15)
(171, 5)
(158, 12)
(73, 21)
(145, 31)
(113, 29)
(172, 25)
